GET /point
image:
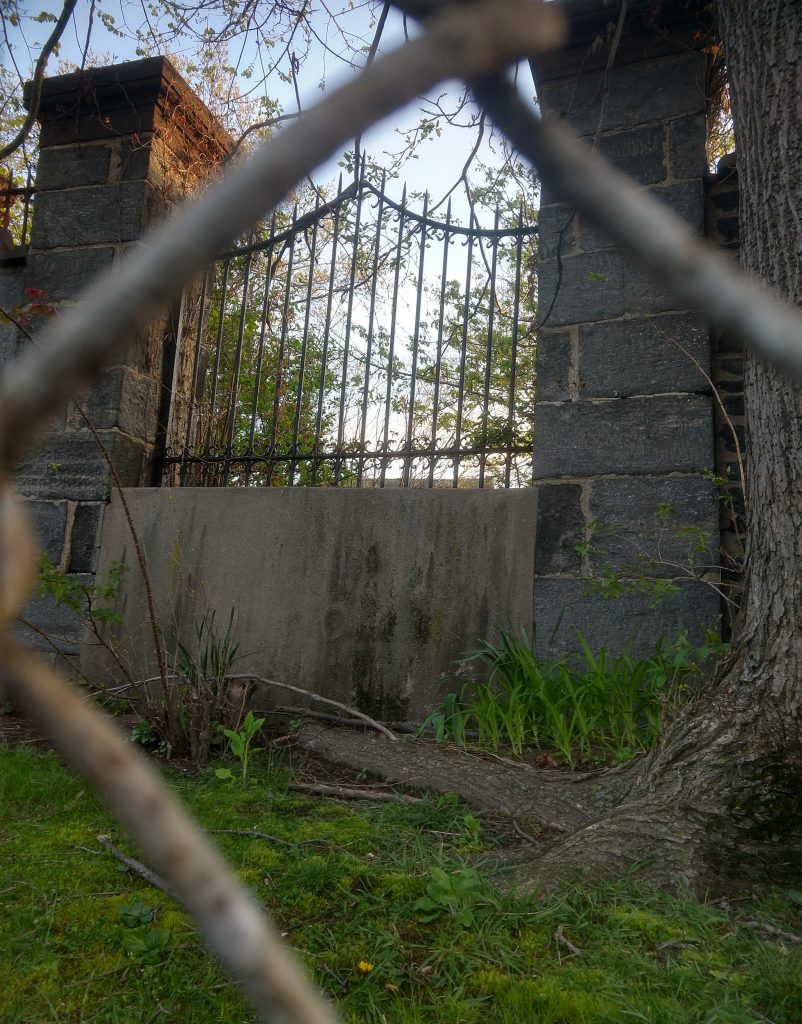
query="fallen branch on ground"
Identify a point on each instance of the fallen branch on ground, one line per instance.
(138, 868)
(323, 700)
(347, 793)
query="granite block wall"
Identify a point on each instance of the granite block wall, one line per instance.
(624, 420)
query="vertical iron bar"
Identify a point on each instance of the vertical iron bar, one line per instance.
(439, 358)
(415, 339)
(463, 353)
(391, 353)
(296, 426)
(26, 200)
(369, 343)
(282, 343)
(326, 334)
(257, 378)
(511, 432)
(216, 369)
(489, 354)
(232, 403)
(194, 381)
(347, 338)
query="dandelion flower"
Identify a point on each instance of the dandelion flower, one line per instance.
(365, 967)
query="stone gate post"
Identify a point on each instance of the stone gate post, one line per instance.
(624, 431)
(119, 146)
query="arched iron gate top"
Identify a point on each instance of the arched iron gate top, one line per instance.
(363, 343)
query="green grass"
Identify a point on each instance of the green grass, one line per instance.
(81, 941)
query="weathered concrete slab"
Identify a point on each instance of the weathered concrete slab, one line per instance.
(366, 596)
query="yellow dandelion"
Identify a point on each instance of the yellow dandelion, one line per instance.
(365, 967)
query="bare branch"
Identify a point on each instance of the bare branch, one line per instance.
(138, 868)
(38, 78)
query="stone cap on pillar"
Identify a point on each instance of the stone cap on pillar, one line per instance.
(134, 99)
(652, 29)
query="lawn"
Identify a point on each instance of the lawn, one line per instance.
(396, 909)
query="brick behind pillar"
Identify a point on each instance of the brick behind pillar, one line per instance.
(624, 426)
(119, 146)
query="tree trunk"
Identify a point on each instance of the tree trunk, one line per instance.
(719, 805)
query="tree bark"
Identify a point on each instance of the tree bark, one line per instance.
(719, 805)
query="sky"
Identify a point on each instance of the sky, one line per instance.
(438, 163)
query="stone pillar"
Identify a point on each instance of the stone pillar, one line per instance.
(624, 417)
(119, 145)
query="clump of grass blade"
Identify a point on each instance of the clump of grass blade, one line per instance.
(593, 706)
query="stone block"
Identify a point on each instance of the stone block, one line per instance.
(663, 434)
(70, 465)
(70, 166)
(620, 358)
(639, 152)
(686, 147)
(631, 622)
(647, 523)
(124, 399)
(134, 156)
(639, 93)
(85, 537)
(587, 287)
(685, 198)
(49, 519)
(555, 229)
(559, 529)
(724, 198)
(727, 231)
(90, 216)
(63, 274)
(62, 626)
(553, 366)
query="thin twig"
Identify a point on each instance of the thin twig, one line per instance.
(561, 940)
(138, 868)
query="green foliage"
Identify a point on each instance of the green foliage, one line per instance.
(83, 939)
(96, 599)
(240, 745)
(461, 894)
(200, 702)
(601, 707)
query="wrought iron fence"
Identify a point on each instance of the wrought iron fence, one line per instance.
(16, 209)
(361, 344)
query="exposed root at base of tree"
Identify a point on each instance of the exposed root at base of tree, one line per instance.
(708, 811)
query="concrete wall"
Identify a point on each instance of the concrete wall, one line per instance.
(366, 596)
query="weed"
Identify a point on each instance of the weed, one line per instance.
(461, 894)
(240, 743)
